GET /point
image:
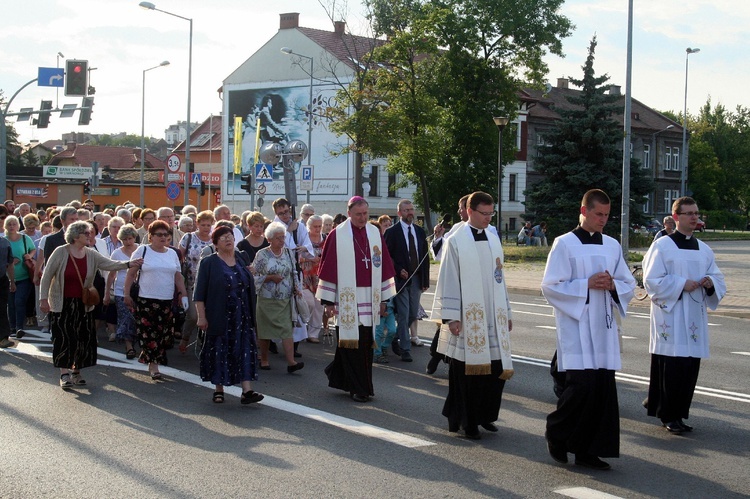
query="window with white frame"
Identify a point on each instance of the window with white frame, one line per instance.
(646, 156)
(676, 166)
(512, 186)
(667, 158)
(647, 203)
(670, 195)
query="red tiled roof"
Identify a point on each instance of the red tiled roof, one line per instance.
(116, 158)
(349, 49)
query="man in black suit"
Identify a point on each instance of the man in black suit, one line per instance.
(407, 244)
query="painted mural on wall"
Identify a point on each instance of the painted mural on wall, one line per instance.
(283, 117)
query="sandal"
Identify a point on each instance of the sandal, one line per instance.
(77, 380)
(250, 397)
(130, 354)
(156, 376)
(65, 382)
(218, 397)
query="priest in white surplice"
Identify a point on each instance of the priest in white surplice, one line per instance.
(356, 279)
(682, 279)
(587, 281)
(472, 303)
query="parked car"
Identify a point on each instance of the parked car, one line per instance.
(700, 226)
(654, 226)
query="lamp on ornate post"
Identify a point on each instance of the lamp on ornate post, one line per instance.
(288, 51)
(501, 122)
(683, 158)
(143, 132)
(151, 6)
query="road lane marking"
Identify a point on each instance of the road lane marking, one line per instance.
(547, 327)
(348, 424)
(585, 493)
(629, 337)
(741, 353)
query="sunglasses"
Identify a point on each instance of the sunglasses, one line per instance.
(161, 234)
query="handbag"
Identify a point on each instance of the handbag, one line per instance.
(300, 310)
(89, 295)
(28, 262)
(135, 288)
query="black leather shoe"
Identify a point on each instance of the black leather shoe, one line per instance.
(295, 367)
(685, 426)
(297, 355)
(557, 452)
(489, 427)
(592, 462)
(396, 347)
(359, 398)
(674, 427)
(406, 357)
(273, 348)
(432, 365)
(473, 434)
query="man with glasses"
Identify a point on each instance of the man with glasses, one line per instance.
(587, 281)
(683, 281)
(439, 231)
(167, 215)
(222, 212)
(471, 301)
(297, 238)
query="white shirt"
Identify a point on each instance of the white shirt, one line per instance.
(157, 273)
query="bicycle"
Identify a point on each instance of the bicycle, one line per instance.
(640, 289)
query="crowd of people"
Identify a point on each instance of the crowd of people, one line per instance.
(248, 285)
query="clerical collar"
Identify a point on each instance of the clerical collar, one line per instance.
(479, 234)
(587, 237)
(683, 241)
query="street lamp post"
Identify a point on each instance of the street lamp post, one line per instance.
(143, 131)
(288, 51)
(501, 122)
(151, 6)
(683, 158)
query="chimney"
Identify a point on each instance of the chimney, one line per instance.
(562, 83)
(339, 27)
(70, 145)
(289, 20)
(614, 90)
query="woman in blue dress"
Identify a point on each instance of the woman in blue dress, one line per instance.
(224, 298)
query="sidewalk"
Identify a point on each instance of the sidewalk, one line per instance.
(526, 279)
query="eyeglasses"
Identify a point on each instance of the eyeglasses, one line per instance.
(160, 234)
(226, 237)
(87, 233)
(690, 213)
(487, 213)
(283, 213)
(308, 214)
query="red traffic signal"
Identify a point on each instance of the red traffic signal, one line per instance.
(76, 78)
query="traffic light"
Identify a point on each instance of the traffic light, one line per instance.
(76, 78)
(43, 120)
(87, 188)
(87, 107)
(246, 186)
(202, 188)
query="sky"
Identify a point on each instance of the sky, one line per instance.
(121, 40)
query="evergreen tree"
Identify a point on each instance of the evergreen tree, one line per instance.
(585, 153)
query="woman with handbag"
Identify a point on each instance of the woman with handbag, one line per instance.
(225, 302)
(276, 284)
(66, 294)
(159, 278)
(23, 255)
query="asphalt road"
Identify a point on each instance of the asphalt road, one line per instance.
(127, 436)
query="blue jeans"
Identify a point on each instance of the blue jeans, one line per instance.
(407, 310)
(387, 322)
(17, 304)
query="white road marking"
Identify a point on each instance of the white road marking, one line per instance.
(546, 327)
(585, 493)
(629, 337)
(741, 353)
(341, 422)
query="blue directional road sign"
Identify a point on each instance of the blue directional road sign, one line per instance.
(263, 173)
(51, 77)
(195, 179)
(173, 190)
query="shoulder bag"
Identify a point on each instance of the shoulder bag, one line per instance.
(27, 260)
(89, 295)
(300, 310)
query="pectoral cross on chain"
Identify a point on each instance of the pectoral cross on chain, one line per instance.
(365, 259)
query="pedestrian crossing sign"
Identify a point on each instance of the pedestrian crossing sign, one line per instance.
(263, 173)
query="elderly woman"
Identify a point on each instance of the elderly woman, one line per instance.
(310, 277)
(186, 224)
(255, 239)
(116, 289)
(159, 277)
(23, 250)
(225, 302)
(67, 271)
(275, 282)
(191, 245)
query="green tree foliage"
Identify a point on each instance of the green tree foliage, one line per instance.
(585, 152)
(449, 66)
